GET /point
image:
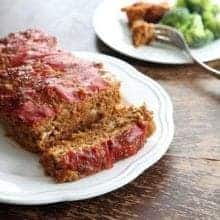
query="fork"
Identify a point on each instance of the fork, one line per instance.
(166, 34)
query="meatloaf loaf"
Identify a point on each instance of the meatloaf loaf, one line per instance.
(99, 146)
(47, 93)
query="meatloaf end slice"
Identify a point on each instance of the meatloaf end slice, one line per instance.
(100, 146)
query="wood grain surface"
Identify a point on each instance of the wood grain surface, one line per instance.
(185, 183)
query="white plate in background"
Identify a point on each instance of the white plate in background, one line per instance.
(110, 25)
(22, 180)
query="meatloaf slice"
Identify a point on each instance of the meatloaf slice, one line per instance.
(38, 111)
(100, 146)
(47, 93)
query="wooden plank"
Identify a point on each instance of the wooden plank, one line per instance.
(185, 184)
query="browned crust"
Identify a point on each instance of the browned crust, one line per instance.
(47, 93)
(57, 167)
(148, 12)
(141, 19)
(142, 33)
(72, 118)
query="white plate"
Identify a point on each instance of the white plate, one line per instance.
(22, 180)
(110, 25)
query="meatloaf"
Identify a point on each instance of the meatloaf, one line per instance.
(99, 146)
(17, 48)
(47, 93)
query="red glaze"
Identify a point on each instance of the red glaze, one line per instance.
(31, 113)
(36, 76)
(19, 47)
(90, 160)
(60, 61)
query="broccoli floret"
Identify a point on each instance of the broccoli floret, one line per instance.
(196, 19)
(196, 40)
(181, 4)
(178, 18)
(199, 6)
(212, 22)
(216, 9)
(190, 25)
(196, 35)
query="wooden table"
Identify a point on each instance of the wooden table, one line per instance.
(185, 183)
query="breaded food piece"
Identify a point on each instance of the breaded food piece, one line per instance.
(149, 12)
(100, 146)
(46, 93)
(142, 33)
(135, 12)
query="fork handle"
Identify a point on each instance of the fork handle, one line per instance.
(211, 70)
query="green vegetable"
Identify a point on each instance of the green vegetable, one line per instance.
(179, 18)
(190, 25)
(199, 5)
(216, 9)
(197, 35)
(198, 20)
(212, 22)
(181, 4)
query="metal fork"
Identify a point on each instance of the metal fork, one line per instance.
(166, 34)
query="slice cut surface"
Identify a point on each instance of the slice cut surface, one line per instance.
(46, 92)
(100, 146)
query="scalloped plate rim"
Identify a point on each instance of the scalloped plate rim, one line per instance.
(138, 167)
(186, 60)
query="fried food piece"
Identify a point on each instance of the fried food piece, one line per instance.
(149, 12)
(135, 12)
(142, 33)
